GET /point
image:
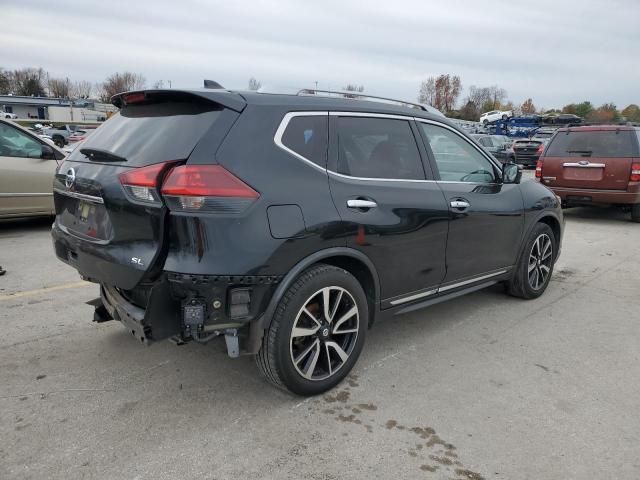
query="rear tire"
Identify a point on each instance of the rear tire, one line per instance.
(635, 213)
(317, 332)
(535, 266)
(58, 141)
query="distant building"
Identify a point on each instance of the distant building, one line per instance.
(56, 109)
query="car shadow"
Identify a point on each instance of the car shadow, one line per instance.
(37, 223)
(596, 212)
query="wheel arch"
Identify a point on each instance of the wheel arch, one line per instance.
(549, 218)
(351, 260)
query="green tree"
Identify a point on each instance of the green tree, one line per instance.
(583, 109)
(606, 113)
(631, 113)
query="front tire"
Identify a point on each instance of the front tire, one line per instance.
(535, 266)
(317, 332)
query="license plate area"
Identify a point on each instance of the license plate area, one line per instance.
(85, 219)
(581, 173)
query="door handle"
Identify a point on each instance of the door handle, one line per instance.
(460, 204)
(360, 203)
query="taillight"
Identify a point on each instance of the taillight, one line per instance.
(635, 172)
(539, 168)
(140, 183)
(208, 189)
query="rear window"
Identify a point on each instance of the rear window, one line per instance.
(152, 133)
(622, 144)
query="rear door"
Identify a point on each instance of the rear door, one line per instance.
(394, 213)
(590, 159)
(25, 177)
(487, 217)
(110, 218)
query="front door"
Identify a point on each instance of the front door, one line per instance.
(391, 210)
(487, 217)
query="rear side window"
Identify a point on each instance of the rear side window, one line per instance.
(378, 148)
(307, 136)
(152, 133)
(622, 144)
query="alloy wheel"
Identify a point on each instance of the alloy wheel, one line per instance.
(540, 259)
(324, 333)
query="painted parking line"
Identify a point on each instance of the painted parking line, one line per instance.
(38, 291)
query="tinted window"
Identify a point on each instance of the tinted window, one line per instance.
(14, 143)
(456, 158)
(146, 134)
(609, 143)
(307, 136)
(378, 148)
(485, 142)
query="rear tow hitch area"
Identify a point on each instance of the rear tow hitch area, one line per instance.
(193, 316)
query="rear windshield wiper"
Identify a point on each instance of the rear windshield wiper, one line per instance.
(104, 155)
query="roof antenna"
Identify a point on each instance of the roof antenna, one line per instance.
(212, 84)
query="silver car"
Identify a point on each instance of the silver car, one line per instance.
(27, 167)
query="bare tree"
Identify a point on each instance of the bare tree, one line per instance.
(254, 84)
(352, 87)
(121, 82)
(5, 81)
(487, 98)
(447, 91)
(28, 82)
(528, 107)
(159, 84)
(427, 93)
(81, 89)
(59, 87)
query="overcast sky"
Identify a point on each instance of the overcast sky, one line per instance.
(557, 51)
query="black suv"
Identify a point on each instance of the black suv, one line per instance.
(289, 224)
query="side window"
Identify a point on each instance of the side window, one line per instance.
(14, 143)
(378, 148)
(307, 136)
(456, 158)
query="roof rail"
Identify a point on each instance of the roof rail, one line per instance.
(360, 96)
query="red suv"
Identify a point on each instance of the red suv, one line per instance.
(594, 165)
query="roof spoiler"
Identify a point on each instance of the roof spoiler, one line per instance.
(222, 97)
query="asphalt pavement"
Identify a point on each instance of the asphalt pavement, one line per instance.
(483, 387)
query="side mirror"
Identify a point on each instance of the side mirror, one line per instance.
(47, 153)
(511, 173)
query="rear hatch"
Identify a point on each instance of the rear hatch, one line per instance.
(110, 217)
(527, 150)
(590, 159)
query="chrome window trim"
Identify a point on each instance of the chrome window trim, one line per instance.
(588, 165)
(277, 138)
(284, 123)
(23, 194)
(372, 115)
(80, 196)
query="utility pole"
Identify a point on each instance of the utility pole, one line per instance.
(169, 83)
